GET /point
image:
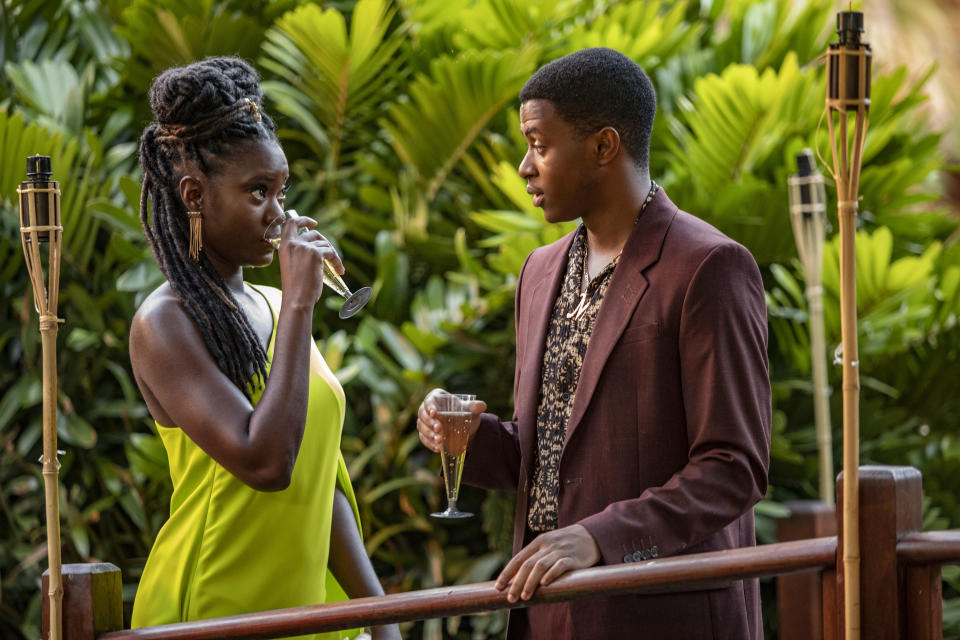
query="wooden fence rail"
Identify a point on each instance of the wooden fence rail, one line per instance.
(660, 575)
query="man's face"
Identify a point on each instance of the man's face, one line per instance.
(557, 165)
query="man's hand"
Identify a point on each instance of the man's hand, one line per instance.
(548, 557)
(431, 428)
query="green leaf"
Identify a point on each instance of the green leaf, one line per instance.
(75, 430)
(25, 392)
(454, 102)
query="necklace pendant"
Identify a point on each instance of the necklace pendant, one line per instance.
(581, 307)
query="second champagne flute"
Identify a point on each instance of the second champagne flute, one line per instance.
(453, 409)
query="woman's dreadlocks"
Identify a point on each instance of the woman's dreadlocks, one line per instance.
(202, 111)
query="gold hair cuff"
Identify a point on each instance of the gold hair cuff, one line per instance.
(253, 107)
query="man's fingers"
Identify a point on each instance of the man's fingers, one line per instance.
(509, 571)
(429, 428)
(428, 441)
(519, 568)
(559, 568)
(521, 587)
(538, 569)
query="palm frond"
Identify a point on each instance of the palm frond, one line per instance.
(646, 32)
(448, 109)
(334, 82)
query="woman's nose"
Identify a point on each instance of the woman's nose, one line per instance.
(276, 209)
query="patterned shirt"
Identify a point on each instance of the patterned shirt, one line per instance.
(567, 339)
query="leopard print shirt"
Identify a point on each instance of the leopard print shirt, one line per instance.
(567, 341)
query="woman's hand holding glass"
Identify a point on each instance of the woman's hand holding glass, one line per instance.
(291, 228)
(301, 252)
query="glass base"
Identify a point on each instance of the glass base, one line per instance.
(354, 303)
(452, 513)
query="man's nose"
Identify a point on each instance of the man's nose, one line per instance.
(526, 168)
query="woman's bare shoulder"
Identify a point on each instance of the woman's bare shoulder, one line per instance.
(161, 324)
(158, 310)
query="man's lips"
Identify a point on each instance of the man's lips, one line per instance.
(537, 196)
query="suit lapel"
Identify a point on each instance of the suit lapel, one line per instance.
(627, 286)
(538, 307)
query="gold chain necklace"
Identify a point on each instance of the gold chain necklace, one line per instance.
(584, 304)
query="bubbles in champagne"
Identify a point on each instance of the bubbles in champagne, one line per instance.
(454, 448)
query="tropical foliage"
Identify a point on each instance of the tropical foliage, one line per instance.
(399, 121)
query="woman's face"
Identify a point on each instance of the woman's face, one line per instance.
(240, 201)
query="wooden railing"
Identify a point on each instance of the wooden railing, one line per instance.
(900, 569)
(683, 572)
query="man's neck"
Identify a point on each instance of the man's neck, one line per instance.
(610, 224)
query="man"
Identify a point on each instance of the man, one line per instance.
(642, 398)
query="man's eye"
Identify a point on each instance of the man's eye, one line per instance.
(260, 192)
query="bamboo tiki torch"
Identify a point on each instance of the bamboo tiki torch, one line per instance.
(808, 212)
(848, 99)
(40, 227)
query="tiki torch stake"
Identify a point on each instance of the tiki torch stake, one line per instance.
(848, 94)
(808, 209)
(40, 226)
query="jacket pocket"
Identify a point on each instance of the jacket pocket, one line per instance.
(640, 333)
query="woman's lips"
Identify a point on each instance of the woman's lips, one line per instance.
(272, 241)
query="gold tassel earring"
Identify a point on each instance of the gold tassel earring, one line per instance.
(196, 234)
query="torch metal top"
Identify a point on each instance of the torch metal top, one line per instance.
(849, 27)
(38, 168)
(805, 163)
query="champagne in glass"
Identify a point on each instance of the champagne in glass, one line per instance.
(354, 301)
(453, 409)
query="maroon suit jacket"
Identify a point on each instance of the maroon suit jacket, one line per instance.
(667, 446)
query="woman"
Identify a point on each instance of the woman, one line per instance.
(248, 411)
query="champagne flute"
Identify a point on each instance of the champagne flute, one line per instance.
(353, 300)
(453, 409)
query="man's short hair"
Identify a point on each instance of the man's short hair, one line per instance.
(596, 88)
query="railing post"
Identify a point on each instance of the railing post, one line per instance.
(832, 601)
(891, 500)
(923, 602)
(799, 595)
(92, 600)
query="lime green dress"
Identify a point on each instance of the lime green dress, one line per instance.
(229, 549)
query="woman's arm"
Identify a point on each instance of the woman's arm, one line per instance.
(349, 562)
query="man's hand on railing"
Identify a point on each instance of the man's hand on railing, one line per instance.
(548, 557)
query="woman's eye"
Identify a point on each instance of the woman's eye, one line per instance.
(260, 192)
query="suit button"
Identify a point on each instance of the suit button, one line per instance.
(654, 552)
(628, 558)
(646, 554)
(637, 556)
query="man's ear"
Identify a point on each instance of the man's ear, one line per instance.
(191, 192)
(606, 145)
